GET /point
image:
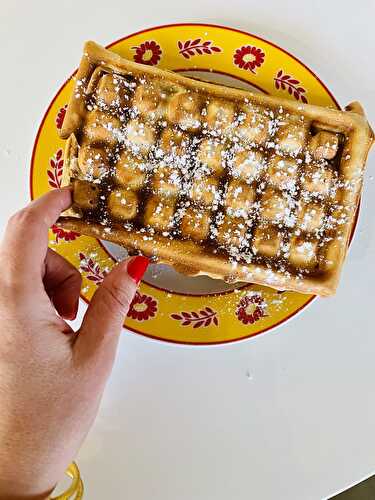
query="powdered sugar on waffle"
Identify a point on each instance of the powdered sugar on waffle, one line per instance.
(186, 170)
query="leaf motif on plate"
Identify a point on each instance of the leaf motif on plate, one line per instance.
(55, 169)
(91, 268)
(291, 84)
(205, 317)
(190, 48)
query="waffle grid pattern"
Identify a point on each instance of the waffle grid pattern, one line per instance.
(259, 185)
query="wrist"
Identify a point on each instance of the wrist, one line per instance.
(18, 484)
(15, 492)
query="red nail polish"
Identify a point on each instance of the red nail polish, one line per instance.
(76, 310)
(137, 267)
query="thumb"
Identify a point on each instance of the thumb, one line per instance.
(105, 316)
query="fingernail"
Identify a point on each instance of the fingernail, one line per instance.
(137, 267)
(72, 313)
(75, 312)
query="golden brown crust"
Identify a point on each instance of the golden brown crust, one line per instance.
(192, 259)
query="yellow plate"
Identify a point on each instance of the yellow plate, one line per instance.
(183, 312)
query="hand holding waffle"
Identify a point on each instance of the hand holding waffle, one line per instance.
(51, 378)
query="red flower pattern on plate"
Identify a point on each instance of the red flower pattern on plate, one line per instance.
(143, 307)
(197, 47)
(148, 52)
(249, 57)
(60, 117)
(288, 82)
(55, 169)
(91, 268)
(251, 308)
(195, 319)
(61, 234)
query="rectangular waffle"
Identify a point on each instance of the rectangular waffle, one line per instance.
(210, 179)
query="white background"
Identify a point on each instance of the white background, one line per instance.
(287, 415)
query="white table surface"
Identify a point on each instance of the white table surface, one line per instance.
(287, 415)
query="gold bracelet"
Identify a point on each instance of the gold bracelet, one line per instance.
(75, 491)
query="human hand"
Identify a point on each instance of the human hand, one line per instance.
(51, 378)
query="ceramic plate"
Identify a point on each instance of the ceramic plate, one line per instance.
(170, 306)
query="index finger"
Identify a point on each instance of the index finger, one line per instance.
(25, 241)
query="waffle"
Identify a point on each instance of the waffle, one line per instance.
(210, 179)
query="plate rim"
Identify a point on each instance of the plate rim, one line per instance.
(275, 326)
(174, 25)
(236, 30)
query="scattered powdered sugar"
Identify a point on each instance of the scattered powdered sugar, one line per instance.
(233, 155)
